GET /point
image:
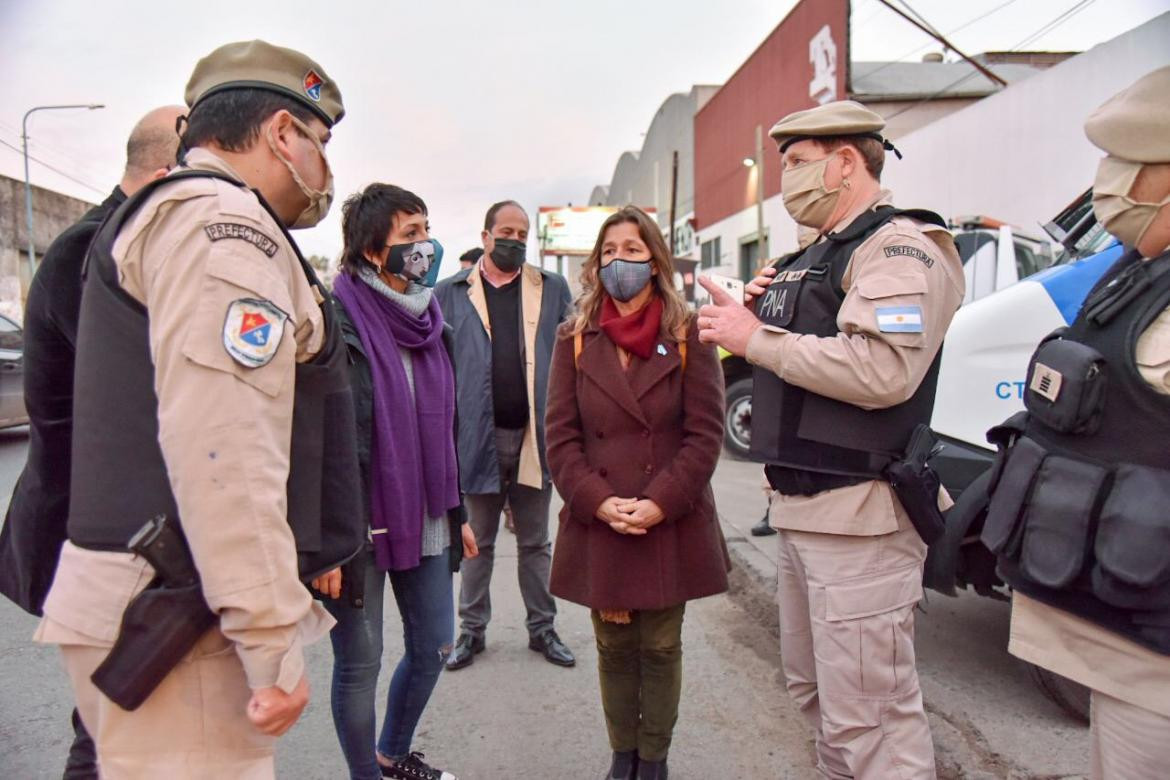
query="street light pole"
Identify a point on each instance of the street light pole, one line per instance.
(32, 267)
(761, 241)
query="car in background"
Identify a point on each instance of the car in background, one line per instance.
(12, 411)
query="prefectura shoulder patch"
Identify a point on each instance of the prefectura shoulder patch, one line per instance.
(218, 231)
(902, 250)
(252, 331)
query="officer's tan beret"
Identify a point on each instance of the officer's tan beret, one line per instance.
(841, 117)
(260, 65)
(1135, 123)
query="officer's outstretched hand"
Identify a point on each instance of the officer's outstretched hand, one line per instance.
(725, 321)
(273, 711)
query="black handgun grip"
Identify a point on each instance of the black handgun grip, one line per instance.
(159, 627)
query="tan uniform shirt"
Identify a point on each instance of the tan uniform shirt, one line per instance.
(904, 263)
(1083, 651)
(190, 253)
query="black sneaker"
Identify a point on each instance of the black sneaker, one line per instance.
(414, 768)
(763, 528)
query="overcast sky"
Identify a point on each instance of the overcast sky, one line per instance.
(462, 102)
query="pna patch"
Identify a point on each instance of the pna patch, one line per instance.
(252, 331)
(218, 231)
(901, 250)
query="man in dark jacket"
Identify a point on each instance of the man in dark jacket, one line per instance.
(34, 528)
(505, 316)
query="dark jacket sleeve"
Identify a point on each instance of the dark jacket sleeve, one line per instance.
(678, 486)
(582, 488)
(456, 516)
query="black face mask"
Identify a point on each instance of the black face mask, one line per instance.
(508, 254)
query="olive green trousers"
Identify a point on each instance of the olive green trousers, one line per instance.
(640, 669)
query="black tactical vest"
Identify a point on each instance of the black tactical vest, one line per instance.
(801, 431)
(119, 478)
(1080, 509)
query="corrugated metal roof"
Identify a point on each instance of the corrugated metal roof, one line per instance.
(878, 81)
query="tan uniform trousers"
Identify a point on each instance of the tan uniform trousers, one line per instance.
(193, 727)
(847, 640)
(1127, 741)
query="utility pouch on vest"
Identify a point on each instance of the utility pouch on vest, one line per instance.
(1066, 386)
(1133, 539)
(1057, 521)
(917, 485)
(1001, 530)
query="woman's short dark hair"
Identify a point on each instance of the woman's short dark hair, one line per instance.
(366, 218)
(232, 118)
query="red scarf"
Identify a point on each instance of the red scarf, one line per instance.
(636, 333)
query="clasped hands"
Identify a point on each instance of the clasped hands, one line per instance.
(633, 516)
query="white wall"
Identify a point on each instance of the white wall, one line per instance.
(1021, 155)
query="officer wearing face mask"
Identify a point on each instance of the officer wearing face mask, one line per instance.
(1078, 514)
(505, 314)
(845, 338)
(211, 389)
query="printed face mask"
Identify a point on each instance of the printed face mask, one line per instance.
(508, 254)
(624, 279)
(415, 260)
(805, 196)
(1123, 217)
(319, 200)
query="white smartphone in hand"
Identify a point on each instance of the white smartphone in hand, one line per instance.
(732, 286)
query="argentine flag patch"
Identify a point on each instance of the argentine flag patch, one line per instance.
(899, 319)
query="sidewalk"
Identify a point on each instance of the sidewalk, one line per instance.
(988, 719)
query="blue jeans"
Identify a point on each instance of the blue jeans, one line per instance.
(425, 601)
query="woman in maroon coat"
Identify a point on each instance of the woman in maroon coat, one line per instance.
(634, 428)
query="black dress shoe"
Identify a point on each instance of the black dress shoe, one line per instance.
(624, 765)
(552, 648)
(763, 528)
(467, 647)
(652, 770)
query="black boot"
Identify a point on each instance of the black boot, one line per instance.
(467, 647)
(624, 765)
(763, 528)
(651, 770)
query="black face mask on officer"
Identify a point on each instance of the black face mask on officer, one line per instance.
(508, 254)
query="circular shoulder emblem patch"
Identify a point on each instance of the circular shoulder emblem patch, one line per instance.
(252, 331)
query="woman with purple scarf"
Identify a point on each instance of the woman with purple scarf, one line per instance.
(404, 398)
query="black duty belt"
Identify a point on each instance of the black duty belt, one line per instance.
(798, 482)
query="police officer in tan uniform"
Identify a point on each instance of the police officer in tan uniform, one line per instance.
(200, 324)
(845, 337)
(1102, 617)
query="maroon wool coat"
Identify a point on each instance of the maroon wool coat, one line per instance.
(642, 433)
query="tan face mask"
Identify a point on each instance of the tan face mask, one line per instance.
(805, 195)
(319, 200)
(1125, 218)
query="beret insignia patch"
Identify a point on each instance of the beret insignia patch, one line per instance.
(313, 84)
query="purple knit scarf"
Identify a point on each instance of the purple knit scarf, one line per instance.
(413, 475)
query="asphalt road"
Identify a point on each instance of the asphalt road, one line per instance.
(512, 715)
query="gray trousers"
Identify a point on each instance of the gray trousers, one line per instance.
(530, 514)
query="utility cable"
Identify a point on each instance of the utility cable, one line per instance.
(54, 169)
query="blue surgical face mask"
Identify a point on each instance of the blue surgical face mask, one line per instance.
(624, 279)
